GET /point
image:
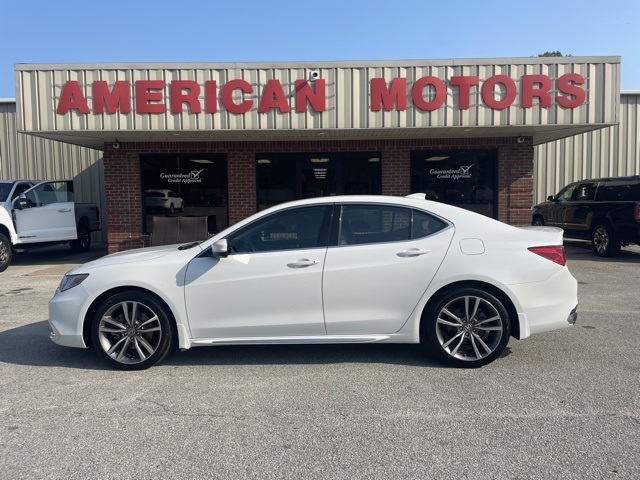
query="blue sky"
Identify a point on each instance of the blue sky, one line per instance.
(70, 31)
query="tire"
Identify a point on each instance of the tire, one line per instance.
(604, 241)
(538, 222)
(136, 343)
(171, 208)
(83, 243)
(5, 253)
(466, 327)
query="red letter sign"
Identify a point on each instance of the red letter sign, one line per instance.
(178, 97)
(509, 96)
(120, 97)
(567, 83)
(464, 92)
(531, 89)
(72, 98)
(210, 96)
(273, 97)
(227, 96)
(397, 94)
(148, 93)
(418, 97)
(304, 92)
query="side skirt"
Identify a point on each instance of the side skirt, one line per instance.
(289, 340)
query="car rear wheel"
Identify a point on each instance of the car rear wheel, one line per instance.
(132, 331)
(83, 243)
(466, 327)
(5, 252)
(604, 241)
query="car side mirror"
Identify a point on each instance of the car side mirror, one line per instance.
(552, 198)
(21, 202)
(220, 248)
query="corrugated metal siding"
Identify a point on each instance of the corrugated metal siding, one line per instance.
(611, 151)
(28, 157)
(347, 93)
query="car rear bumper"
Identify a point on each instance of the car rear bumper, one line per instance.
(548, 305)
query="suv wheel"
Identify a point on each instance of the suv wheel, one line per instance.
(604, 242)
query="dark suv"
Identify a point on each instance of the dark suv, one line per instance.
(604, 210)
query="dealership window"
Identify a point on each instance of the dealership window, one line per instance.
(193, 185)
(282, 177)
(465, 178)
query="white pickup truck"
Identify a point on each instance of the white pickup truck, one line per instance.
(40, 214)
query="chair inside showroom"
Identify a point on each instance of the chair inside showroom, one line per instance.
(193, 229)
(164, 231)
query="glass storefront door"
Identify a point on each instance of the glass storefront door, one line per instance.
(282, 177)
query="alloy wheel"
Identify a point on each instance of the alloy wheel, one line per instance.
(469, 328)
(130, 332)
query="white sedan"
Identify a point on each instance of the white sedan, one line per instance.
(351, 269)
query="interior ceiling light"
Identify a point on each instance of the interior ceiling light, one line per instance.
(435, 159)
(319, 169)
(264, 160)
(202, 161)
(374, 160)
(319, 160)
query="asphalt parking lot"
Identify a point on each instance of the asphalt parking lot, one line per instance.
(562, 404)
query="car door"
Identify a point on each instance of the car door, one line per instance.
(49, 213)
(557, 213)
(577, 210)
(379, 266)
(270, 284)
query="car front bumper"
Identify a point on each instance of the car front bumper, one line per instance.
(66, 312)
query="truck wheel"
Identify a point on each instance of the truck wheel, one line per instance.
(5, 252)
(604, 242)
(83, 243)
(538, 221)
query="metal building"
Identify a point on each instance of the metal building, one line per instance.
(523, 127)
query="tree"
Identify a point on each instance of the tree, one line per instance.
(556, 53)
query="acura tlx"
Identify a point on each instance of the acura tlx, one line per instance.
(342, 269)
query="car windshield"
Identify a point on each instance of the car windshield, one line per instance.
(155, 194)
(5, 189)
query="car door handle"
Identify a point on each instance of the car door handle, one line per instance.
(64, 210)
(413, 252)
(302, 263)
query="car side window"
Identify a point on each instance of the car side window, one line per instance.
(586, 191)
(566, 193)
(425, 224)
(361, 224)
(21, 188)
(50, 192)
(289, 230)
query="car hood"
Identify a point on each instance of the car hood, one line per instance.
(131, 256)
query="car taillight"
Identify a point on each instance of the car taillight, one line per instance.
(555, 253)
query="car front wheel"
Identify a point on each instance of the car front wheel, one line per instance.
(132, 331)
(538, 222)
(5, 252)
(604, 241)
(466, 327)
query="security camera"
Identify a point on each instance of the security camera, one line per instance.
(520, 139)
(314, 75)
(116, 145)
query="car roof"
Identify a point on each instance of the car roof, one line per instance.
(630, 178)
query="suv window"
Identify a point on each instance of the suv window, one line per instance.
(566, 193)
(289, 230)
(586, 191)
(617, 193)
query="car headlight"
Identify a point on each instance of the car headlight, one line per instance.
(70, 281)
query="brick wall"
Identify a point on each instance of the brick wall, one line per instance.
(124, 195)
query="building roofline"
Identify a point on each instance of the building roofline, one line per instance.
(317, 64)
